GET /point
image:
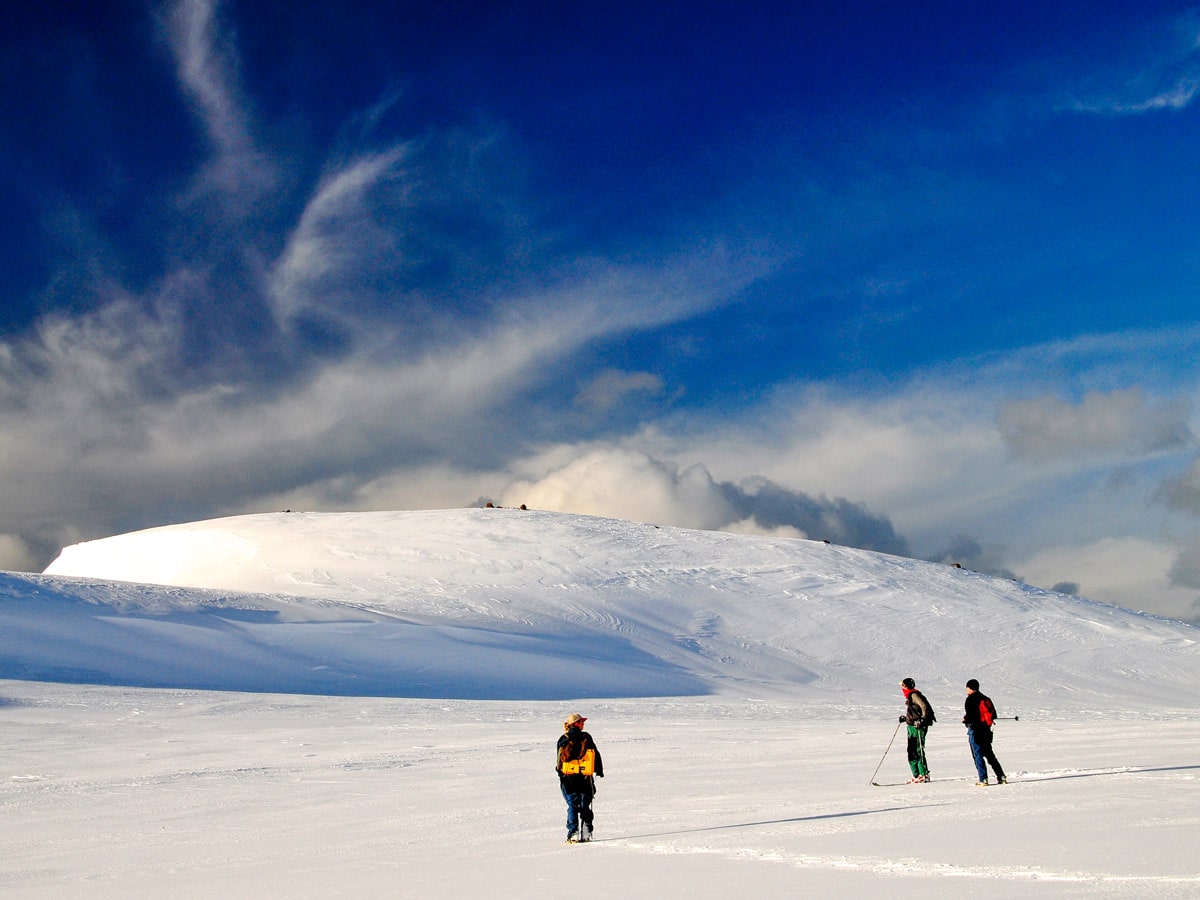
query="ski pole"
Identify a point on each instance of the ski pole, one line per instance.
(1009, 718)
(885, 752)
(921, 740)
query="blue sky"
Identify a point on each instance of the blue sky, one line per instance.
(922, 280)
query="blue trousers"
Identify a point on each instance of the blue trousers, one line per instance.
(579, 806)
(980, 739)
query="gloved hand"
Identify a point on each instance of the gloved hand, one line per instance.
(902, 718)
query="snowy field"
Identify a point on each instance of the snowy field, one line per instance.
(366, 705)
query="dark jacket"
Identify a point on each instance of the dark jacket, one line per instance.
(972, 715)
(917, 710)
(575, 784)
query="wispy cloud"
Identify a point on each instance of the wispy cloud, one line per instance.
(92, 401)
(338, 246)
(344, 335)
(1167, 78)
(207, 67)
(612, 386)
(1178, 96)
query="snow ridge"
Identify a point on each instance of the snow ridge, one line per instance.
(515, 604)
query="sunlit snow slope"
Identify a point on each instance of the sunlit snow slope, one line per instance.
(500, 603)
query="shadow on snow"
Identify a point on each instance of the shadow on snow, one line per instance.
(840, 815)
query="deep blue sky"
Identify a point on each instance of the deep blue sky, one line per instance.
(921, 278)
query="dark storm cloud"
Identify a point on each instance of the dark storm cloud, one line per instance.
(631, 484)
(969, 553)
(837, 520)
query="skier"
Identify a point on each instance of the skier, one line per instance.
(980, 713)
(578, 761)
(918, 714)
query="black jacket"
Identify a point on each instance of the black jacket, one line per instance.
(972, 717)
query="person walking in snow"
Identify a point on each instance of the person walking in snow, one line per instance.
(578, 765)
(979, 715)
(918, 715)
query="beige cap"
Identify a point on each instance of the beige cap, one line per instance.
(574, 719)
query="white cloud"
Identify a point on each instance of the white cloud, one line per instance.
(626, 484)
(610, 388)
(913, 454)
(205, 73)
(1183, 491)
(1164, 76)
(207, 69)
(1186, 570)
(931, 457)
(336, 241)
(751, 526)
(1123, 421)
(630, 484)
(424, 402)
(1125, 571)
(15, 555)
(107, 420)
(1181, 95)
(435, 485)
(100, 431)
(1178, 96)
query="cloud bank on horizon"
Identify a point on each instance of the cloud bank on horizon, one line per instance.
(922, 284)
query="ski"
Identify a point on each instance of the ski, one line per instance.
(908, 783)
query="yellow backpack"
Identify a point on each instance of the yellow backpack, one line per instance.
(585, 765)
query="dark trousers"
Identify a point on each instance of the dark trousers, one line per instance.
(916, 751)
(578, 793)
(980, 739)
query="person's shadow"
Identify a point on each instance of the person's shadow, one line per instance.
(1101, 773)
(841, 815)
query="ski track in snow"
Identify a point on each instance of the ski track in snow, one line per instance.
(126, 791)
(919, 869)
(129, 790)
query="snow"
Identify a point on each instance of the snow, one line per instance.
(314, 705)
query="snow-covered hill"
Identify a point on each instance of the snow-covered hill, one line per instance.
(743, 691)
(502, 603)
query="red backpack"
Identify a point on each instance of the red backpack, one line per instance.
(987, 711)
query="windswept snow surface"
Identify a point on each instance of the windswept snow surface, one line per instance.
(514, 604)
(365, 705)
